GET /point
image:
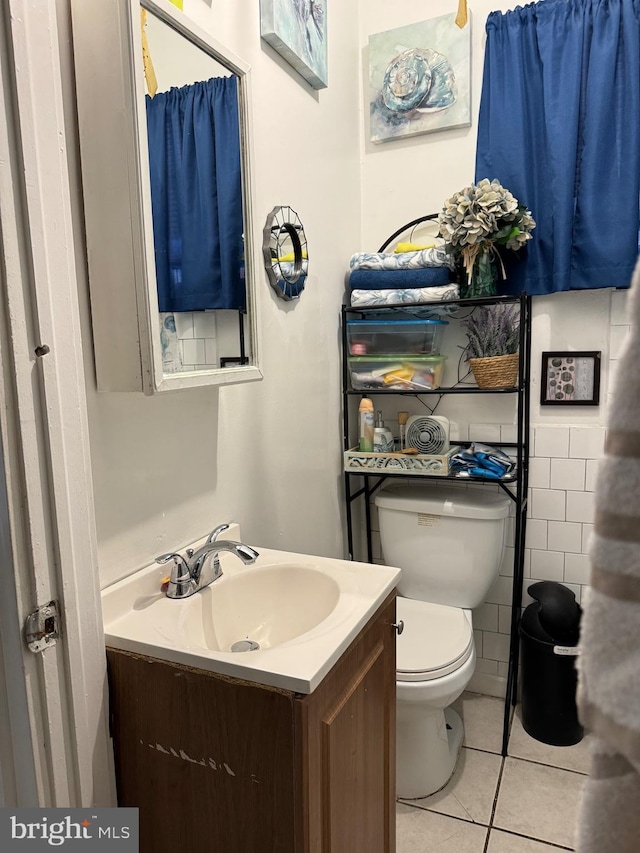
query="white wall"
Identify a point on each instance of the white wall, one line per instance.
(167, 469)
(405, 179)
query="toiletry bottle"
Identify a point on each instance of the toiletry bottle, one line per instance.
(365, 418)
(382, 437)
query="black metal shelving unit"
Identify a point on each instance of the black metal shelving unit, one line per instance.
(515, 486)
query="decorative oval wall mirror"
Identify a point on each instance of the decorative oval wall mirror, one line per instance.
(166, 179)
(284, 248)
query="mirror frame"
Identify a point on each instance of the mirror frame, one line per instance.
(114, 158)
(284, 218)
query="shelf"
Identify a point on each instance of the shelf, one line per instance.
(419, 392)
(511, 478)
(515, 485)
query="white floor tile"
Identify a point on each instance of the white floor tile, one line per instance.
(521, 745)
(420, 831)
(503, 842)
(482, 719)
(539, 802)
(471, 791)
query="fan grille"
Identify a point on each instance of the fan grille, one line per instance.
(428, 434)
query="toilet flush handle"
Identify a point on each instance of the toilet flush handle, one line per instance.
(399, 626)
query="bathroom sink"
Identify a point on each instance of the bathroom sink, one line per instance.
(259, 608)
(282, 621)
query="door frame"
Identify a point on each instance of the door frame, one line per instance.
(59, 750)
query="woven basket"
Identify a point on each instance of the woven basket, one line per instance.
(500, 371)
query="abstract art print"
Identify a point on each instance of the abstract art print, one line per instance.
(420, 78)
(570, 379)
(297, 29)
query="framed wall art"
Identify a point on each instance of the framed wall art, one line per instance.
(297, 30)
(570, 379)
(420, 79)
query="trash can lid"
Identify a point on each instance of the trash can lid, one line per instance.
(556, 610)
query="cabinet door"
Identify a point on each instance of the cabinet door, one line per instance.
(208, 760)
(350, 761)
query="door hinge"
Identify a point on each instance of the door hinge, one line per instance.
(42, 627)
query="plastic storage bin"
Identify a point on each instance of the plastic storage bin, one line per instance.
(389, 337)
(549, 632)
(396, 373)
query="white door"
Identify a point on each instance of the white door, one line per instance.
(54, 743)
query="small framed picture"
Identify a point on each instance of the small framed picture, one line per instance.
(570, 379)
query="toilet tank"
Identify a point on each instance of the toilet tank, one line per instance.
(448, 541)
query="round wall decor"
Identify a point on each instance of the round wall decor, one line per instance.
(284, 247)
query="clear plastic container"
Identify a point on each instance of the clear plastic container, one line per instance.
(396, 373)
(386, 337)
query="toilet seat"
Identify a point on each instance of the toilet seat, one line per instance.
(436, 640)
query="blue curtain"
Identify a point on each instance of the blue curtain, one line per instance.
(196, 196)
(559, 126)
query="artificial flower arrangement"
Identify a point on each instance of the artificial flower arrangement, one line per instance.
(492, 330)
(493, 340)
(475, 220)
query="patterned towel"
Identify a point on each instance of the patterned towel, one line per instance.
(434, 257)
(420, 295)
(609, 665)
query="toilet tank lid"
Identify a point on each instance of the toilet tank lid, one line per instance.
(443, 500)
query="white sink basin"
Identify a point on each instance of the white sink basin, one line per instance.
(288, 616)
(259, 608)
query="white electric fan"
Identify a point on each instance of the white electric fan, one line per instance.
(428, 434)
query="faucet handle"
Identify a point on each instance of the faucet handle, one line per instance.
(215, 533)
(180, 570)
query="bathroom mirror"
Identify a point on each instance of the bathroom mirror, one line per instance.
(284, 248)
(163, 116)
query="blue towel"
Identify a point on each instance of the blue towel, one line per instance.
(399, 279)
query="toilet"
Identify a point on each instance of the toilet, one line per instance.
(449, 542)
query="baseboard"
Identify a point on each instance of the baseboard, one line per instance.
(490, 685)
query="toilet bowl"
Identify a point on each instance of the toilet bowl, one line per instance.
(435, 660)
(449, 543)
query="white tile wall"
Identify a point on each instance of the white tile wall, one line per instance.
(562, 478)
(568, 473)
(547, 565)
(580, 506)
(565, 536)
(591, 474)
(196, 332)
(551, 441)
(536, 536)
(618, 337)
(548, 503)
(540, 473)
(586, 442)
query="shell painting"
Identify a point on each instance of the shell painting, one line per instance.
(420, 79)
(297, 29)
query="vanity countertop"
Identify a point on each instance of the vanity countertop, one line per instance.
(303, 611)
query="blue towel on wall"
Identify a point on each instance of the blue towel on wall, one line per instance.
(399, 279)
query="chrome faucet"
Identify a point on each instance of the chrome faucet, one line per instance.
(203, 566)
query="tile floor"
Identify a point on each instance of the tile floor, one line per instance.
(524, 803)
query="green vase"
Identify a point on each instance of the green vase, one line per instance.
(484, 277)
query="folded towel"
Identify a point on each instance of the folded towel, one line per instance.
(419, 295)
(609, 663)
(425, 258)
(415, 247)
(398, 279)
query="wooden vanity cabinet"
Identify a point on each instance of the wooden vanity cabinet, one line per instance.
(217, 764)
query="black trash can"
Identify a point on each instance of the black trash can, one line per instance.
(549, 634)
